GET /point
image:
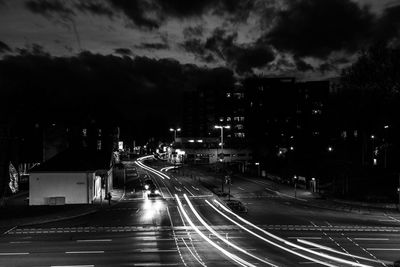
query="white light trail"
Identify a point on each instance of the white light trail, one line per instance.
(220, 237)
(335, 251)
(154, 171)
(323, 255)
(225, 252)
(269, 241)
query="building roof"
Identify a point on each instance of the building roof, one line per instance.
(77, 160)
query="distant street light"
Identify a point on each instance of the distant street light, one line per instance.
(330, 148)
(174, 130)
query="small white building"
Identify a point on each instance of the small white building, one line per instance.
(72, 177)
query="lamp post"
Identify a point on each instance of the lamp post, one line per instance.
(174, 130)
(222, 127)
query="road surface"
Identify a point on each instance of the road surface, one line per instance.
(188, 226)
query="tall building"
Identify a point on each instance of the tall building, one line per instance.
(201, 111)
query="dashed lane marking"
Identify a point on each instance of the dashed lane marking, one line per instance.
(130, 228)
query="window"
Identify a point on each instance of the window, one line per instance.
(228, 94)
(239, 126)
(228, 118)
(84, 132)
(239, 135)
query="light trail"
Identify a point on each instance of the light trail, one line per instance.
(323, 255)
(162, 175)
(225, 252)
(269, 241)
(220, 237)
(335, 251)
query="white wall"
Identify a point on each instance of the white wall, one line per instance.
(73, 186)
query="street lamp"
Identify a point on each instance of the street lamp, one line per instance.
(222, 127)
(174, 130)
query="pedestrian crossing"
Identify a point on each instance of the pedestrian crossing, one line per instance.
(147, 228)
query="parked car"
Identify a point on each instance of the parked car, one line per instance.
(237, 206)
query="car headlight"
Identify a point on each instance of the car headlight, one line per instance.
(146, 186)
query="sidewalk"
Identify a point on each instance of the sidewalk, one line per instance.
(16, 212)
(269, 188)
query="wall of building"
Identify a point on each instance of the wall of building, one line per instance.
(77, 188)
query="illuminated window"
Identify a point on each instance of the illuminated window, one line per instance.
(239, 126)
(84, 132)
(228, 118)
(228, 94)
(239, 135)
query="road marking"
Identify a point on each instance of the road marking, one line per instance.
(372, 239)
(383, 249)
(85, 252)
(13, 253)
(188, 191)
(155, 264)
(94, 240)
(20, 242)
(240, 188)
(152, 250)
(72, 266)
(304, 237)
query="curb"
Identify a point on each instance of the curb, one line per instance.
(94, 210)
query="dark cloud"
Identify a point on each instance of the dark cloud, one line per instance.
(123, 51)
(136, 11)
(195, 31)
(251, 57)
(222, 45)
(152, 46)
(316, 28)
(4, 47)
(49, 7)
(124, 90)
(95, 7)
(327, 67)
(301, 65)
(388, 26)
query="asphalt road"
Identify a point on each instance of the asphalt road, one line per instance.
(194, 230)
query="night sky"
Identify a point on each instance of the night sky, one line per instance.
(69, 56)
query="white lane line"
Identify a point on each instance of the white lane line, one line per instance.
(304, 237)
(188, 191)
(178, 189)
(336, 251)
(371, 239)
(195, 188)
(137, 210)
(384, 249)
(240, 188)
(220, 237)
(152, 250)
(286, 195)
(94, 240)
(233, 257)
(20, 242)
(72, 266)
(176, 242)
(260, 237)
(155, 264)
(85, 252)
(13, 253)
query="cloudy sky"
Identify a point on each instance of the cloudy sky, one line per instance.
(309, 39)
